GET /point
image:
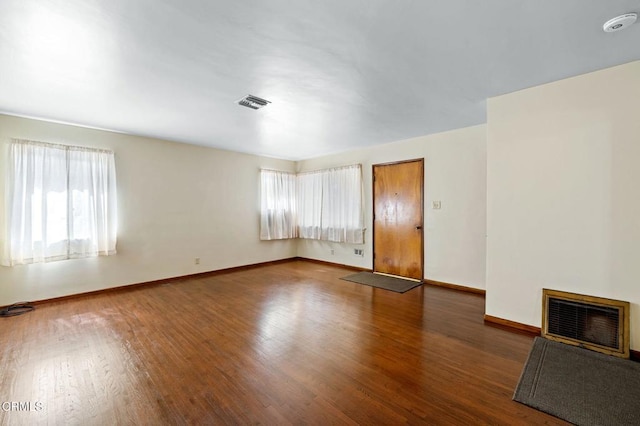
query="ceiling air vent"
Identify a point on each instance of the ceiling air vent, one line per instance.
(253, 102)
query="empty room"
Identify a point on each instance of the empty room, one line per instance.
(334, 212)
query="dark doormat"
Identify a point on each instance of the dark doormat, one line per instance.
(399, 285)
(579, 385)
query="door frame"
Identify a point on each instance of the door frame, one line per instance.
(373, 212)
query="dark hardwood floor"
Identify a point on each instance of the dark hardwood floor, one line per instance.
(288, 343)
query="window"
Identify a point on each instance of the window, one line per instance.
(321, 205)
(278, 205)
(310, 205)
(61, 203)
(330, 205)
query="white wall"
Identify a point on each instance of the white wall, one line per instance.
(563, 203)
(176, 202)
(455, 174)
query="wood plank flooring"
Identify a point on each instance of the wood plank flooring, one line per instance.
(288, 343)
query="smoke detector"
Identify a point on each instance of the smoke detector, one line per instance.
(619, 22)
(253, 102)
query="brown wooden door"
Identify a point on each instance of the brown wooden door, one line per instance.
(397, 218)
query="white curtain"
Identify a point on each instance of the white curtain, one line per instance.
(310, 205)
(61, 203)
(278, 205)
(330, 205)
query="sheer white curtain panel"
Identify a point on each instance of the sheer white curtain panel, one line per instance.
(342, 212)
(278, 205)
(310, 205)
(61, 203)
(331, 205)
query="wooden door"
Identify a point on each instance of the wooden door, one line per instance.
(398, 218)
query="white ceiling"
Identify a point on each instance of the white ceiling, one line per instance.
(340, 73)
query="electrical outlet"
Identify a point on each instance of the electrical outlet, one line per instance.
(333, 251)
(196, 261)
(358, 252)
(436, 205)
